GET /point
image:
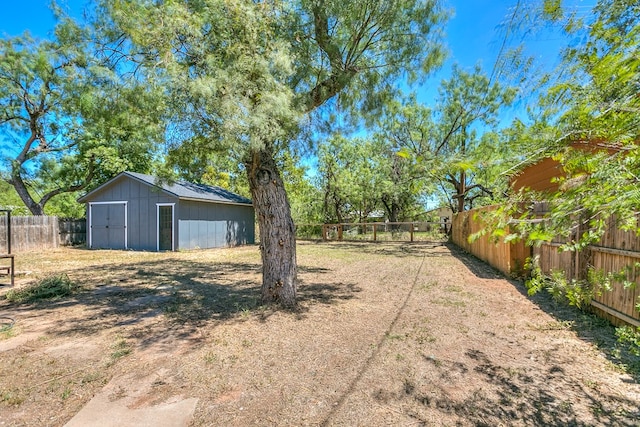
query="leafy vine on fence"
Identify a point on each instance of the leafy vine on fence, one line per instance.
(579, 293)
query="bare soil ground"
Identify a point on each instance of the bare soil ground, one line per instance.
(386, 334)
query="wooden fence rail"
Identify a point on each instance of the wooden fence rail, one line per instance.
(381, 231)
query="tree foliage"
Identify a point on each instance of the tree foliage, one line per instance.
(468, 107)
(241, 75)
(10, 200)
(594, 102)
(365, 175)
(598, 97)
(68, 122)
(454, 141)
(350, 179)
(304, 196)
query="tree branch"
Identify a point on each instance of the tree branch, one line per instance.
(340, 75)
(87, 180)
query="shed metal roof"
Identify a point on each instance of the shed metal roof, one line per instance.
(180, 189)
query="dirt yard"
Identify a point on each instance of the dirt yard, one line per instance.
(386, 335)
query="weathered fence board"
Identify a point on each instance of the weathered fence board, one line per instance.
(508, 257)
(621, 299)
(618, 251)
(30, 233)
(551, 258)
(72, 231)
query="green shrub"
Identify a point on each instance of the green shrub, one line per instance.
(577, 293)
(629, 336)
(49, 288)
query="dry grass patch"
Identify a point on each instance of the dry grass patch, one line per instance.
(386, 334)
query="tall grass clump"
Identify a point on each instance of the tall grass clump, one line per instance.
(49, 288)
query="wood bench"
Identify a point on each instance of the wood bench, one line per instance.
(8, 270)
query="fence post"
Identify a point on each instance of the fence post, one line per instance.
(340, 232)
(324, 232)
(9, 233)
(411, 230)
(374, 232)
(582, 257)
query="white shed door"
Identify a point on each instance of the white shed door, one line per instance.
(108, 226)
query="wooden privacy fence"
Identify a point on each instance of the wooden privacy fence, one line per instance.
(507, 257)
(618, 251)
(31, 233)
(72, 231)
(376, 231)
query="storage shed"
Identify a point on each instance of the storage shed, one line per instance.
(137, 211)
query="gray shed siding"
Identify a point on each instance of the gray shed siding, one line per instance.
(207, 225)
(196, 224)
(141, 210)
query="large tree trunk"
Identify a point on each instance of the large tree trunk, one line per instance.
(277, 231)
(21, 188)
(462, 191)
(393, 210)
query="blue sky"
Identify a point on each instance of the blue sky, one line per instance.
(473, 34)
(33, 15)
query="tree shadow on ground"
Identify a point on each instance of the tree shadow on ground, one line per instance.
(587, 326)
(181, 296)
(475, 265)
(503, 396)
(590, 328)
